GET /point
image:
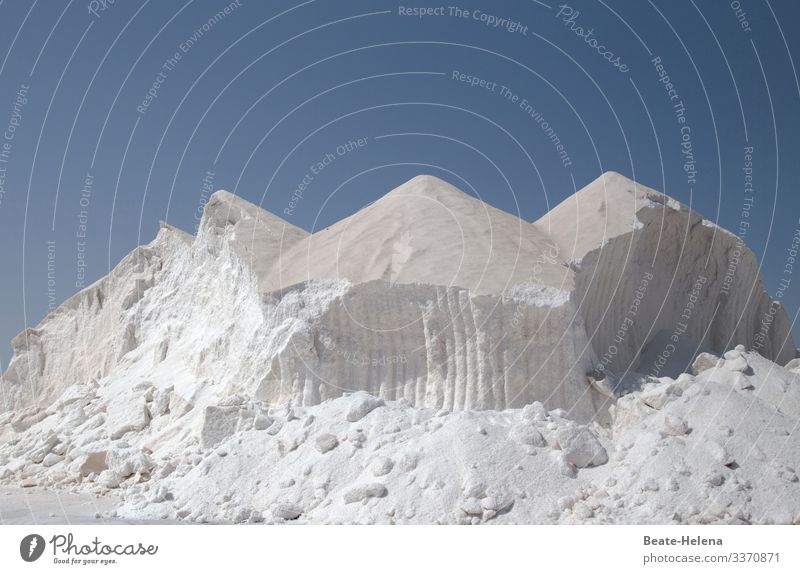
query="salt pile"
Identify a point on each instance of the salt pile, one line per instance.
(428, 360)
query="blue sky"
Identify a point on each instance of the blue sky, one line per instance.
(128, 115)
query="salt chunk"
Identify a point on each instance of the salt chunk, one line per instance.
(738, 364)
(125, 415)
(93, 463)
(658, 396)
(108, 479)
(703, 362)
(126, 462)
(381, 466)
(472, 506)
(362, 404)
(326, 442)
(287, 511)
(365, 491)
(217, 424)
(674, 426)
(527, 435)
(581, 447)
(52, 459)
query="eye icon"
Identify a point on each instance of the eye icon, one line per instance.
(31, 548)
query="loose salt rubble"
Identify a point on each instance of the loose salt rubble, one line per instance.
(670, 454)
(93, 463)
(362, 404)
(581, 447)
(703, 362)
(364, 491)
(287, 511)
(126, 414)
(326, 442)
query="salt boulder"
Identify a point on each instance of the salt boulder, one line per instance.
(43, 447)
(527, 434)
(534, 412)
(793, 365)
(658, 395)
(473, 486)
(674, 426)
(217, 424)
(736, 363)
(326, 442)
(73, 417)
(108, 479)
(27, 418)
(718, 453)
(161, 399)
(127, 414)
(287, 511)
(361, 405)
(80, 394)
(381, 466)
(52, 459)
(703, 362)
(261, 421)
(365, 491)
(472, 506)
(178, 405)
(581, 447)
(127, 461)
(93, 463)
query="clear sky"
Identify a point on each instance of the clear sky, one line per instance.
(116, 116)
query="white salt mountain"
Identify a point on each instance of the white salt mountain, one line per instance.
(616, 234)
(245, 340)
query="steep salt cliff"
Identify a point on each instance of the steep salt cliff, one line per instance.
(646, 265)
(427, 295)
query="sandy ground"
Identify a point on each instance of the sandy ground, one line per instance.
(39, 506)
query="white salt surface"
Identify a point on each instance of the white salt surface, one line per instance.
(715, 448)
(205, 380)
